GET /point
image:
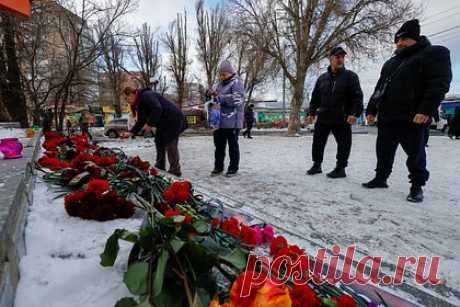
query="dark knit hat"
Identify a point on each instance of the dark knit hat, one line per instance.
(410, 29)
(337, 51)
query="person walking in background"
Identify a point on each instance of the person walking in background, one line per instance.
(84, 124)
(411, 87)
(230, 97)
(157, 114)
(337, 100)
(47, 120)
(249, 120)
(454, 125)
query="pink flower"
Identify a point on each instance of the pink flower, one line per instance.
(268, 233)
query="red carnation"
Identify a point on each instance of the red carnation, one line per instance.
(231, 226)
(248, 235)
(98, 186)
(304, 296)
(179, 186)
(215, 221)
(277, 244)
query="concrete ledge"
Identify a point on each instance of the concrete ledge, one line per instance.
(16, 186)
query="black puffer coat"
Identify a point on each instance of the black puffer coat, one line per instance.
(157, 111)
(336, 96)
(420, 78)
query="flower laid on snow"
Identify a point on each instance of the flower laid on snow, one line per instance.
(344, 301)
(100, 207)
(304, 296)
(277, 244)
(53, 163)
(178, 191)
(154, 171)
(139, 163)
(98, 186)
(246, 292)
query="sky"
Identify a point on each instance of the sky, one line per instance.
(438, 16)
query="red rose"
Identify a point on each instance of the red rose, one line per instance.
(345, 301)
(304, 296)
(248, 235)
(168, 196)
(277, 244)
(98, 186)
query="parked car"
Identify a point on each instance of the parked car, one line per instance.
(116, 126)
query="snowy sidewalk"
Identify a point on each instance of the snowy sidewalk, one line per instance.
(62, 267)
(272, 184)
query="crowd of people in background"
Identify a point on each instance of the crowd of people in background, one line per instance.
(411, 87)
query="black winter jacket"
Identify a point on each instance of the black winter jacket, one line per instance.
(420, 78)
(336, 96)
(157, 111)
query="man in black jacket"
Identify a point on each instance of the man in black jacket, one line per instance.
(155, 112)
(337, 100)
(412, 84)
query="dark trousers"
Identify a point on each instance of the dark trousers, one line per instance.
(412, 138)
(172, 151)
(342, 135)
(222, 137)
(249, 126)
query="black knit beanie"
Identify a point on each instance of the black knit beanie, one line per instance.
(410, 29)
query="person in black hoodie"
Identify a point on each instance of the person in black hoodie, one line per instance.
(249, 120)
(411, 87)
(155, 113)
(337, 100)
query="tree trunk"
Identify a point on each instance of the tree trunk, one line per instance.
(15, 101)
(296, 105)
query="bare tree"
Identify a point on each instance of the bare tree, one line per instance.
(253, 65)
(33, 42)
(213, 35)
(147, 57)
(299, 33)
(11, 92)
(176, 41)
(112, 62)
(80, 46)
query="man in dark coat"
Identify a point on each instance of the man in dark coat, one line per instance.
(249, 120)
(337, 100)
(454, 125)
(155, 112)
(411, 87)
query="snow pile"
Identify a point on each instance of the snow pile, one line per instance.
(62, 266)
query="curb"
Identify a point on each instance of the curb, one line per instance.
(12, 237)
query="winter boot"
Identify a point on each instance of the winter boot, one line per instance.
(415, 194)
(216, 172)
(376, 183)
(338, 172)
(231, 173)
(315, 169)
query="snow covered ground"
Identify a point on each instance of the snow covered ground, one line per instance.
(62, 267)
(12, 133)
